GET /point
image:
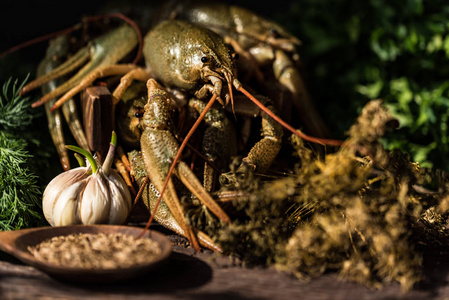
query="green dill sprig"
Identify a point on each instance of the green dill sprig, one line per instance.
(20, 192)
(14, 109)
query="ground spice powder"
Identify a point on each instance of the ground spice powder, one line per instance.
(96, 251)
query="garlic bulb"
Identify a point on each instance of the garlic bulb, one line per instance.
(87, 195)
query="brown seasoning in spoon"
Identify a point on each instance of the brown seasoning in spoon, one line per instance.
(96, 251)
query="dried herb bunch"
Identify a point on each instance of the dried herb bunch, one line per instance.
(356, 211)
(364, 209)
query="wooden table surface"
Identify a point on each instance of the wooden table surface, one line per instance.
(205, 275)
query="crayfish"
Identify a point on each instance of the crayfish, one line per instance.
(189, 56)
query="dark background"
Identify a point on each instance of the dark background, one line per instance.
(21, 21)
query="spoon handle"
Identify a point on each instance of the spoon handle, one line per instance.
(8, 239)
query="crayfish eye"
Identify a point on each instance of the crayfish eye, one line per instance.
(275, 33)
(235, 56)
(204, 59)
(139, 114)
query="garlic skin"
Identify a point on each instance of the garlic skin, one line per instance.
(105, 200)
(60, 188)
(87, 195)
(75, 197)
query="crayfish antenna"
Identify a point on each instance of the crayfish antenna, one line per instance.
(330, 142)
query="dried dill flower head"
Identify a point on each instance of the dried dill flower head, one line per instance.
(364, 210)
(355, 211)
(260, 224)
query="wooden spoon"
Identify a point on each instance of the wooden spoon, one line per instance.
(16, 243)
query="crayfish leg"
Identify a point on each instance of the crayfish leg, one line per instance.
(331, 142)
(219, 141)
(157, 146)
(286, 72)
(86, 82)
(126, 81)
(104, 51)
(55, 55)
(263, 153)
(162, 215)
(70, 65)
(194, 185)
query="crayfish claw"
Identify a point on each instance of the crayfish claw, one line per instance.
(104, 51)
